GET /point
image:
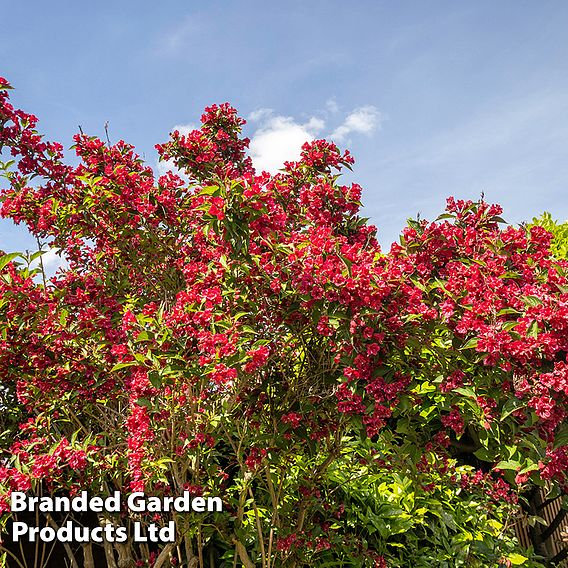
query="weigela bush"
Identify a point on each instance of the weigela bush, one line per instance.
(235, 333)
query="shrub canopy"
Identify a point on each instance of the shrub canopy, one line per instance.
(240, 334)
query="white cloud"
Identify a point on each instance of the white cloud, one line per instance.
(362, 120)
(314, 125)
(279, 139)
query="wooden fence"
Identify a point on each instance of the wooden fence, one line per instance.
(553, 535)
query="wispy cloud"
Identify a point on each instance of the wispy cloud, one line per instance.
(362, 120)
(185, 35)
(510, 133)
(331, 106)
(260, 114)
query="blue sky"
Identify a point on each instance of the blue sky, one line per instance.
(433, 98)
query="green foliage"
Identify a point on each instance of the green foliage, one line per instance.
(559, 244)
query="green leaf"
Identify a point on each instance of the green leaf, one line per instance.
(533, 329)
(531, 300)
(8, 258)
(498, 219)
(561, 437)
(510, 407)
(143, 336)
(506, 311)
(155, 379)
(508, 326)
(529, 468)
(424, 388)
(445, 216)
(484, 455)
(470, 344)
(119, 366)
(517, 559)
(210, 190)
(534, 519)
(466, 391)
(508, 464)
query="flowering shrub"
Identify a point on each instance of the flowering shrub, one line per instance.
(242, 335)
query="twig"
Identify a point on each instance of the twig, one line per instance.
(258, 528)
(68, 550)
(106, 132)
(39, 246)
